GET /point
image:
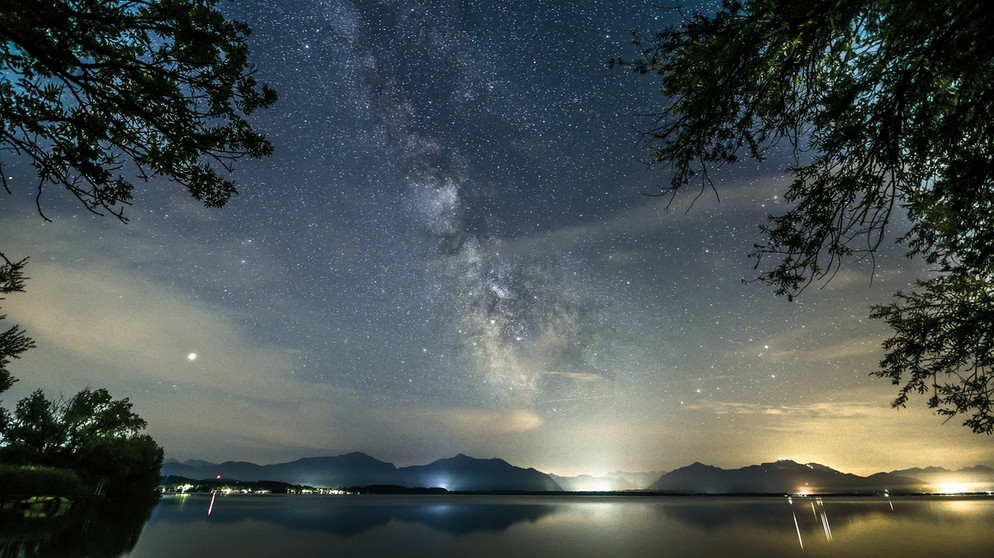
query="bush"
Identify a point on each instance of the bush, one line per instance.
(18, 480)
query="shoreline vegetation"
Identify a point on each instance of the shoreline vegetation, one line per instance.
(35, 480)
(37, 492)
(174, 485)
(43, 492)
(89, 445)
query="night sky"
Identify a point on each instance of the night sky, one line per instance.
(451, 251)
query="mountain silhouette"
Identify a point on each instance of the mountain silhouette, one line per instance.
(351, 469)
(469, 474)
(779, 477)
(459, 473)
(978, 478)
(466, 473)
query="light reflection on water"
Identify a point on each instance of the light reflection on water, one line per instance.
(449, 525)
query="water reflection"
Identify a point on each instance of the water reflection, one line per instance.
(91, 529)
(348, 516)
(764, 512)
(481, 526)
(909, 526)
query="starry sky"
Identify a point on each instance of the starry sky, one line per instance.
(451, 251)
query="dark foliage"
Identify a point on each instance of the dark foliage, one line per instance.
(94, 93)
(97, 436)
(13, 341)
(19, 480)
(889, 111)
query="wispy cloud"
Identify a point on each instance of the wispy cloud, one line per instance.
(119, 322)
(860, 347)
(650, 216)
(821, 410)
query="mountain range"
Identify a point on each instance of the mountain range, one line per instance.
(464, 473)
(779, 477)
(459, 473)
(978, 478)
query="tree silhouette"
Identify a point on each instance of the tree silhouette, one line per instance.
(888, 109)
(94, 93)
(13, 341)
(92, 433)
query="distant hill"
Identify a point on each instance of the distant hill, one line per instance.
(351, 469)
(469, 474)
(461, 473)
(779, 477)
(197, 469)
(978, 478)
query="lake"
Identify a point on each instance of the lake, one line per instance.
(571, 525)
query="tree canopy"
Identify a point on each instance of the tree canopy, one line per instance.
(92, 433)
(888, 109)
(13, 341)
(96, 93)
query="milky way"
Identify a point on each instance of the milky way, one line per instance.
(523, 327)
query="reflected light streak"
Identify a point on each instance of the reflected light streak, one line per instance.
(826, 526)
(211, 507)
(959, 506)
(798, 528)
(439, 509)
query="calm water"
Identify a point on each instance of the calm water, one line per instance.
(517, 526)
